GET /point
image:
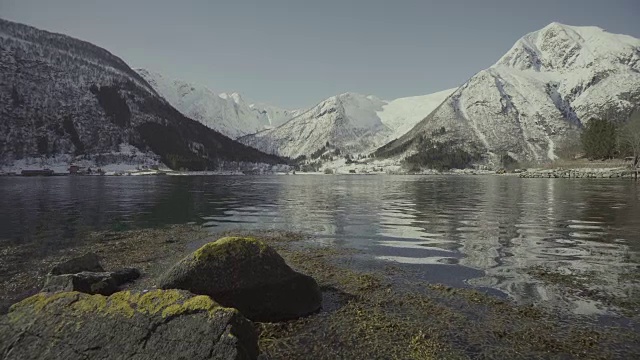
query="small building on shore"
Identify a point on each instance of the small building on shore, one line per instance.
(74, 169)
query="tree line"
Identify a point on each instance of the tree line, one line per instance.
(602, 139)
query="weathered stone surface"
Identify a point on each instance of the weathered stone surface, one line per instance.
(125, 275)
(103, 283)
(159, 324)
(86, 262)
(248, 275)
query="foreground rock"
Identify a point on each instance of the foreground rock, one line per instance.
(159, 324)
(85, 274)
(103, 283)
(248, 275)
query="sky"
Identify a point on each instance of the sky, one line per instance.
(295, 53)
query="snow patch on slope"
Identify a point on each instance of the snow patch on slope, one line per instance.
(402, 114)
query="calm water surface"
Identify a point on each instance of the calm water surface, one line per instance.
(484, 231)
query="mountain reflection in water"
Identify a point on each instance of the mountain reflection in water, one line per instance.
(485, 231)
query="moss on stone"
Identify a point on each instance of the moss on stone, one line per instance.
(91, 303)
(119, 304)
(167, 303)
(40, 301)
(194, 304)
(37, 302)
(156, 301)
(228, 245)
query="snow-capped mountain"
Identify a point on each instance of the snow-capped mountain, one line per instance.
(229, 114)
(350, 122)
(65, 98)
(276, 116)
(544, 89)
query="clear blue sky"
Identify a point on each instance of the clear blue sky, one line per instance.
(294, 53)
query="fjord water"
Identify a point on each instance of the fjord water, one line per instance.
(484, 231)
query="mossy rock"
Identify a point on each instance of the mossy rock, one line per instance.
(248, 275)
(160, 324)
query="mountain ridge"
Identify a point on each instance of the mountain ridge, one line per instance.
(537, 95)
(227, 113)
(67, 100)
(348, 123)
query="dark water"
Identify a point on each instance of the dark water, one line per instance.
(484, 231)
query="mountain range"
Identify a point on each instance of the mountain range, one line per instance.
(532, 100)
(65, 98)
(350, 123)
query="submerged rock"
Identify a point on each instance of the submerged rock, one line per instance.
(86, 262)
(160, 324)
(248, 275)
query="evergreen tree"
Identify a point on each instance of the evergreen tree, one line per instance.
(630, 137)
(599, 139)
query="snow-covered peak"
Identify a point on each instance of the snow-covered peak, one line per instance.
(174, 90)
(360, 110)
(354, 95)
(235, 97)
(560, 47)
(227, 113)
(536, 96)
(276, 115)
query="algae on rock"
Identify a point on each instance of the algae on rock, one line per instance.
(246, 274)
(153, 325)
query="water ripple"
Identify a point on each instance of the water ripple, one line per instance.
(484, 231)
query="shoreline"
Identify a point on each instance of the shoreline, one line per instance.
(585, 173)
(580, 173)
(368, 311)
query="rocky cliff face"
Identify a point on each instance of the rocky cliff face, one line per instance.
(542, 91)
(63, 96)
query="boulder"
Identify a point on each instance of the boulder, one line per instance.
(160, 324)
(125, 275)
(248, 275)
(103, 283)
(87, 282)
(86, 262)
